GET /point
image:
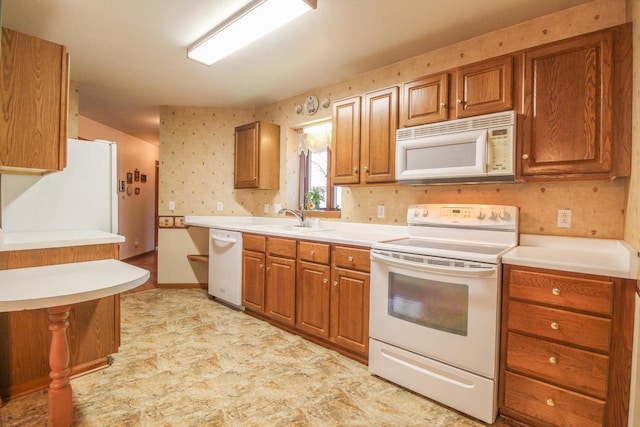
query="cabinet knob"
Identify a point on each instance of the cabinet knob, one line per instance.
(325, 280)
(555, 291)
(355, 170)
(268, 268)
(458, 101)
(525, 156)
(312, 253)
(350, 259)
(555, 326)
(335, 283)
(366, 168)
(261, 266)
(550, 402)
(443, 104)
(553, 360)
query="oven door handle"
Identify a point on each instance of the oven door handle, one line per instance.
(464, 271)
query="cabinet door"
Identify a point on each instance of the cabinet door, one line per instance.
(485, 87)
(34, 95)
(379, 126)
(246, 156)
(313, 298)
(253, 280)
(345, 145)
(279, 294)
(567, 127)
(425, 100)
(350, 309)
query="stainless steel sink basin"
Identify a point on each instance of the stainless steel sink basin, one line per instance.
(290, 228)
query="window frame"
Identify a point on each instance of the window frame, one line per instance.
(305, 167)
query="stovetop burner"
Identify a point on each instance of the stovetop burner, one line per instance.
(470, 232)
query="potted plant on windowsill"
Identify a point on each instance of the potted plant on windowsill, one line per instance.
(313, 198)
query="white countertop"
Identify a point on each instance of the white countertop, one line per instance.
(13, 241)
(605, 257)
(63, 284)
(347, 233)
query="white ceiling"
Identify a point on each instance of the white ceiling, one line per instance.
(129, 56)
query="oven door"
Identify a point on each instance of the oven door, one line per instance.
(440, 308)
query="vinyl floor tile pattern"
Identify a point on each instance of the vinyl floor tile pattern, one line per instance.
(188, 361)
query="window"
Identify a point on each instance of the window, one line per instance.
(315, 164)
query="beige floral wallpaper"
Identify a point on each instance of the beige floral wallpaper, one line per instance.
(196, 146)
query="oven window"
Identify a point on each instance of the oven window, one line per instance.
(438, 305)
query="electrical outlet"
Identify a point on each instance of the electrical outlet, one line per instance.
(277, 207)
(564, 218)
(172, 205)
(220, 206)
(380, 211)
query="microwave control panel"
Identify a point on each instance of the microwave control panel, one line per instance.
(500, 147)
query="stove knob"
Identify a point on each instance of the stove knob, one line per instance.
(415, 212)
(493, 216)
(504, 215)
(481, 215)
(425, 212)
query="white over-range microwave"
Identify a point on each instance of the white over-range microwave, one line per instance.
(474, 149)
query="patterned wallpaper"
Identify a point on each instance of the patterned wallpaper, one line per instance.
(196, 146)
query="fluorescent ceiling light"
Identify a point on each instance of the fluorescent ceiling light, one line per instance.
(260, 17)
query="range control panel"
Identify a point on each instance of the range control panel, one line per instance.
(469, 215)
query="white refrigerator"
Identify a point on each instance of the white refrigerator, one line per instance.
(83, 196)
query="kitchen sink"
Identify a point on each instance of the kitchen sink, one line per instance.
(290, 228)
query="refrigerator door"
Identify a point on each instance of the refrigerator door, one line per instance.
(82, 196)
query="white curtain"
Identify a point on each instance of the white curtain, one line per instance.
(314, 139)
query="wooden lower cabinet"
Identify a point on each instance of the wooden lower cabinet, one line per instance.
(318, 290)
(565, 348)
(313, 298)
(93, 333)
(350, 309)
(279, 294)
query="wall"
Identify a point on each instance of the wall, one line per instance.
(195, 143)
(136, 213)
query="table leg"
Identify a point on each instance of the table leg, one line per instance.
(60, 398)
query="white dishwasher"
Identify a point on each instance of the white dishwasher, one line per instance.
(225, 267)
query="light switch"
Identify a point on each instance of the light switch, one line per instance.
(172, 205)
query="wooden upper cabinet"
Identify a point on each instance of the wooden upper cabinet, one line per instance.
(378, 143)
(485, 87)
(257, 156)
(425, 100)
(345, 143)
(34, 91)
(576, 108)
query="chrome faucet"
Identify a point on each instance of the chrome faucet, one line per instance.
(300, 215)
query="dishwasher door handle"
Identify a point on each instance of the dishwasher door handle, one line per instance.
(224, 239)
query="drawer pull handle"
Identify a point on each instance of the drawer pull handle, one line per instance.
(550, 402)
(555, 291)
(555, 326)
(553, 360)
(350, 259)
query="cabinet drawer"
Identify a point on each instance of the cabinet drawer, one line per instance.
(554, 405)
(562, 291)
(314, 252)
(282, 247)
(571, 328)
(578, 370)
(352, 258)
(254, 242)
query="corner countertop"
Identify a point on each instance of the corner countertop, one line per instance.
(14, 241)
(348, 233)
(604, 257)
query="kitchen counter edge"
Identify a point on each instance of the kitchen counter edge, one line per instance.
(16, 241)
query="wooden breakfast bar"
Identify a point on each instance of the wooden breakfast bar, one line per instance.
(56, 288)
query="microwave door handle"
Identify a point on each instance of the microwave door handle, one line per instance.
(460, 271)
